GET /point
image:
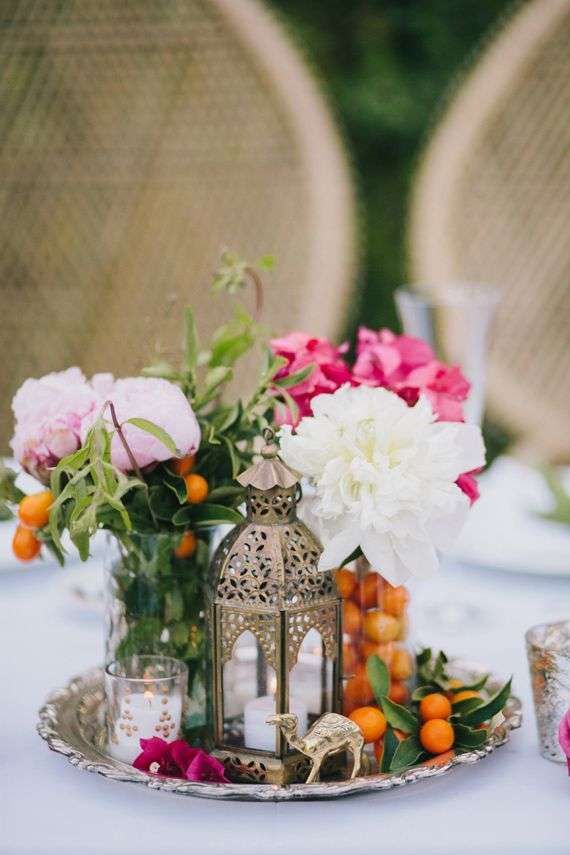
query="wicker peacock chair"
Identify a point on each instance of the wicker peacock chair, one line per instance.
(137, 138)
(492, 205)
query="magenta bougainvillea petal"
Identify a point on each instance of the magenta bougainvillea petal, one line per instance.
(206, 768)
(178, 760)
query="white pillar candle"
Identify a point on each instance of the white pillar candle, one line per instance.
(142, 716)
(258, 734)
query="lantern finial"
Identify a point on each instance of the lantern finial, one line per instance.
(270, 471)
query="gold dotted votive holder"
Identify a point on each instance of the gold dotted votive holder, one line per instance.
(144, 698)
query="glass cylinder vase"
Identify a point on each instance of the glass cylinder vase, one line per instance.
(375, 621)
(155, 606)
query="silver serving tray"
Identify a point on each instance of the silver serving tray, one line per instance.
(71, 722)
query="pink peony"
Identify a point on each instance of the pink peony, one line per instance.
(49, 413)
(179, 760)
(564, 737)
(330, 371)
(155, 400)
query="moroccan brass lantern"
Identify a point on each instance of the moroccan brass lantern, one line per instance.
(275, 624)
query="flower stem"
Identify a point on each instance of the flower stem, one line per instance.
(124, 442)
(258, 284)
(131, 456)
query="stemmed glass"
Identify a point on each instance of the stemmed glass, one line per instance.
(455, 321)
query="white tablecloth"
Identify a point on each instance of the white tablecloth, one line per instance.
(513, 801)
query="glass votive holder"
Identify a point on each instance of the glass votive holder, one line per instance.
(548, 650)
(144, 698)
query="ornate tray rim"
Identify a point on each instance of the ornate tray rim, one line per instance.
(59, 726)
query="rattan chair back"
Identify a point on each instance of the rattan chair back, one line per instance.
(137, 139)
(492, 204)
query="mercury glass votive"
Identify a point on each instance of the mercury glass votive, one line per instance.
(144, 698)
(548, 650)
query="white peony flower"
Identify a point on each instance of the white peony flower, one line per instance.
(384, 475)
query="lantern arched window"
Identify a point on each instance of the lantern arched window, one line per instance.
(275, 622)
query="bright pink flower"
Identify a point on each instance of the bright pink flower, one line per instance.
(204, 767)
(329, 373)
(443, 385)
(564, 737)
(49, 413)
(468, 483)
(179, 760)
(386, 359)
(156, 757)
(408, 366)
(155, 400)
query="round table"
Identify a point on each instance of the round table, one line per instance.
(513, 801)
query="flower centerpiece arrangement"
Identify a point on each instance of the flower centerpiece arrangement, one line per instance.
(152, 460)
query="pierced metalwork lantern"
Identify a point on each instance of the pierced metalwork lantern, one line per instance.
(275, 627)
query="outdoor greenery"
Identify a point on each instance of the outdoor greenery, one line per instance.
(387, 67)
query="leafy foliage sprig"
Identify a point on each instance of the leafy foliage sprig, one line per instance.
(91, 493)
(467, 718)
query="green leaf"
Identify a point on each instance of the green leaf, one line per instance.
(273, 365)
(162, 369)
(226, 417)
(476, 686)
(439, 674)
(215, 378)
(176, 484)
(465, 737)
(460, 708)
(379, 677)
(408, 752)
(234, 459)
(560, 513)
(353, 556)
(173, 606)
(156, 431)
(266, 262)
(399, 717)
(224, 493)
(391, 743)
(491, 708)
(289, 402)
(51, 547)
(179, 634)
(423, 657)
(190, 340)
(163, 502)
(206, 515)
(8, 490)
(296, 378)
(422, 691)
(232, 340)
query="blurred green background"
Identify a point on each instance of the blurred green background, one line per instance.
(386, 66)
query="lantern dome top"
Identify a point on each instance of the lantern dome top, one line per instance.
(270, 471)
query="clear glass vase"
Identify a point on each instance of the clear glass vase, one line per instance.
(156, 606)
(375, 621)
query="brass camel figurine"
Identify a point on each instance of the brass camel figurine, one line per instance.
(331, 733)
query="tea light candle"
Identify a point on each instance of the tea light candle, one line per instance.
(258, 734)
(142, 716)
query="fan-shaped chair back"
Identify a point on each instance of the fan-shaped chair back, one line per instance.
(137, 138)
(491, 205)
